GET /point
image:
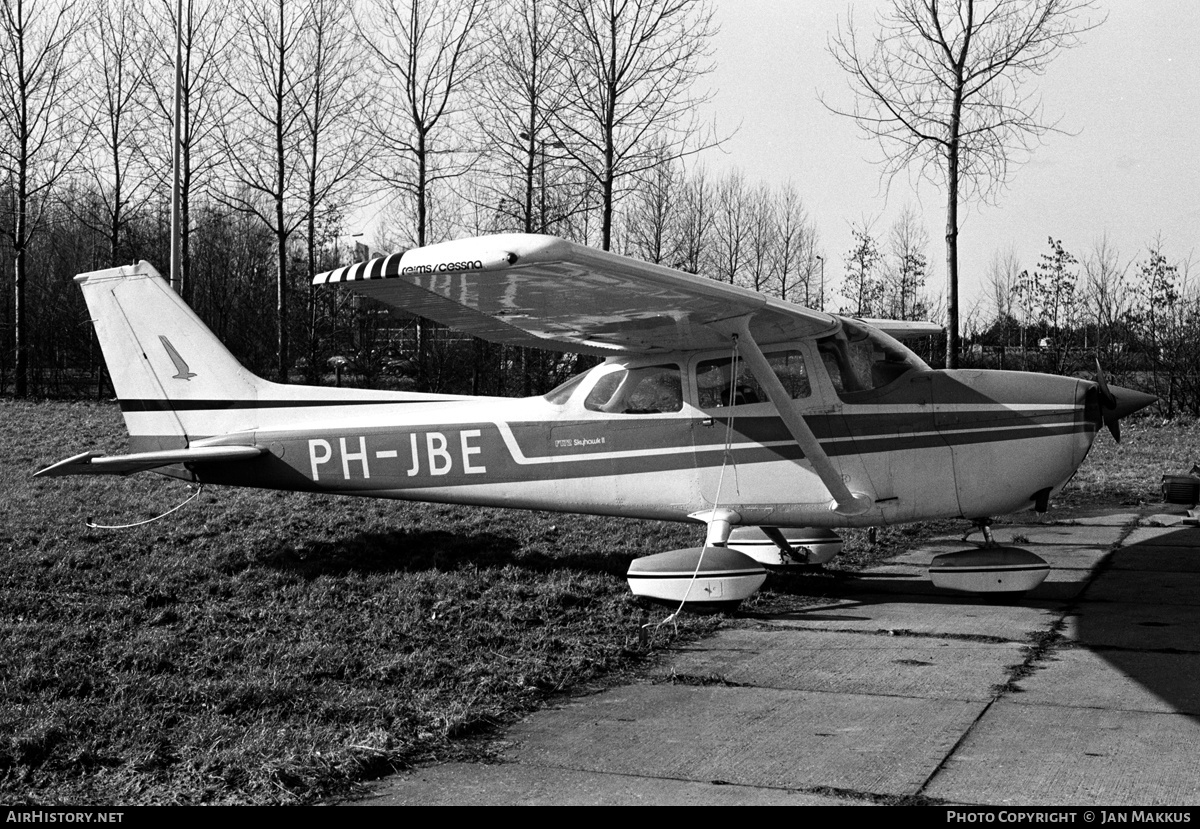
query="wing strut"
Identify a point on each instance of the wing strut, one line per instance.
(844, 501)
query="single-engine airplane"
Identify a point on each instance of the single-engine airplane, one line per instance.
(714, 404)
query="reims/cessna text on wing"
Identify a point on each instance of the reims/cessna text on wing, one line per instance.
(715, 404)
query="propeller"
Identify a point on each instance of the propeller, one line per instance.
(1108, 404)
(1116, 402)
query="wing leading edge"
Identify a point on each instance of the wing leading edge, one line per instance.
(541, 291)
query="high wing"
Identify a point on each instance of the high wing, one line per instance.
(541, 291)
(905, 329)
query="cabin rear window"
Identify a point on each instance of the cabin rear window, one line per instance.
(643, 390)
(717, 387)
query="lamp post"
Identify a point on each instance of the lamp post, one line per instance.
(821, 259)
(176, 275)
(538, 146)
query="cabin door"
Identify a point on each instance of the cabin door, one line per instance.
(744, 453)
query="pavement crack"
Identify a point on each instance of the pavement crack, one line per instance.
(956, 637)
(676, 678)
(1041, 644)
(873, 797)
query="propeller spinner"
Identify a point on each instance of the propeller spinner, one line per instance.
(1117, 402)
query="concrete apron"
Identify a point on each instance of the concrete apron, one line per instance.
(1085, 692)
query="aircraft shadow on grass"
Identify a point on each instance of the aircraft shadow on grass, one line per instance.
(407, 551)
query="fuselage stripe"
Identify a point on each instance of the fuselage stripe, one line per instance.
(155, 405)
(703, 574)
(833, 445)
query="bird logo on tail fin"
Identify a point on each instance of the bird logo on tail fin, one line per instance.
(181, 366)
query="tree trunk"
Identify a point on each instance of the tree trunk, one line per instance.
(952, 344)
(610, 119)
(281, 234)
(952, 183)
(20, 242)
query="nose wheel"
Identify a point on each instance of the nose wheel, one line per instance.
(989, 567)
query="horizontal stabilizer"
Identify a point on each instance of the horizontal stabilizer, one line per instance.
(93, 463)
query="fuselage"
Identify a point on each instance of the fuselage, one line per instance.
(675, 435)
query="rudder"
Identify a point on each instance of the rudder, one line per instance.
(164, 361)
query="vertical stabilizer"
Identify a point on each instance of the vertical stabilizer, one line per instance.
(168, 369)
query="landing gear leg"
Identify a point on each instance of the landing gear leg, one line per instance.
(720, 525)
(781, 542)
(982, 525)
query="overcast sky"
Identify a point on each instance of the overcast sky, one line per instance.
(1130, 94)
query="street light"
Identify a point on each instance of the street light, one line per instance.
(541, 149)
(822, 261)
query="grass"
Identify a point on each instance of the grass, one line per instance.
(261, 648)
(1129, 474)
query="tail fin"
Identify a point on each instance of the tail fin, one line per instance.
(168, 369)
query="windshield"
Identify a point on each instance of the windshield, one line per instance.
(561, 393)
(860, 359)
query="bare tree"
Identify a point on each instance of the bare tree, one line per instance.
(1050, 290)
(943, 88)
(697, 220)
(204, 104)
(116, 167)
(729, 221)
(428, 54)
(1162, 316)
(1109, 299)
(336, 141)
(40, 131)
(1003, 273)
(520, 89)
(265, 141)
(631, 66)
(796, 263)
(863, 284)
(760, 238)
(651, 218)
(905, 272)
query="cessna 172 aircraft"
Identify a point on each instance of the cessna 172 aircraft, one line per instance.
(714, 404)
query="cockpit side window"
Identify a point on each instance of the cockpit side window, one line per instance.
(860, 359)
(642, 390)
(717, 387)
